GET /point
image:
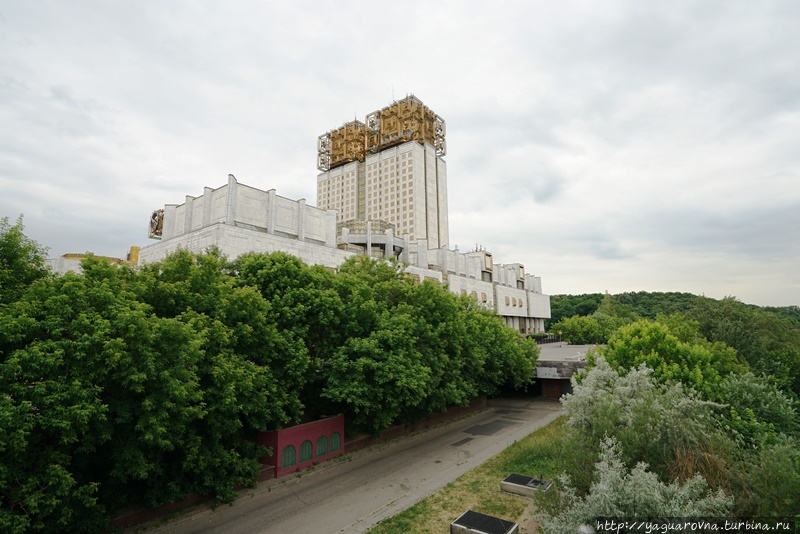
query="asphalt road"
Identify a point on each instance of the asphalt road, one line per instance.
(352, 494)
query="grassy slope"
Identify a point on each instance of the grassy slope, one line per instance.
(479, 489)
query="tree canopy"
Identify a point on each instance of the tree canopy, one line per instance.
(127, 386)
(22, 260)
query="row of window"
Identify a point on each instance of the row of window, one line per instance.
(401, 173)
(474, 295)
(324, 446)
(513, 302)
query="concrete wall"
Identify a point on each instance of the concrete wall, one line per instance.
(234, 241)
(237, 218)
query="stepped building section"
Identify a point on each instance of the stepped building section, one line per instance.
(389, 168)
(237, 218)
(382, 193)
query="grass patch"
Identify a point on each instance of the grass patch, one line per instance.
(539, 453)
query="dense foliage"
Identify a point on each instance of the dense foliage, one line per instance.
(766, 339)
(696, 407)
(22, 260)
(636, 493)
(127, 386)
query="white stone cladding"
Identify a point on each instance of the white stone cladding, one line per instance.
(237, 218)
(234, 241)
(405, 185)
(63, 265)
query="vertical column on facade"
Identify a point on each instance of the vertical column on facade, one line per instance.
(422, 253)
(369, 238)
(230, 213)
(170, 222)
(388, 248)
(207, 204)
(404, 254)
(270, 211)
(431, 198)
(301, 219)
(441, 199)
(187, 214)
(329, 219)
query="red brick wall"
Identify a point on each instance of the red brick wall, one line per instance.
(279, 440)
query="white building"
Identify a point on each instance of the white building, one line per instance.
(237, 218)
(404, 185)
(390, 168)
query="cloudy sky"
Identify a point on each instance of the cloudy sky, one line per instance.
(608, 146)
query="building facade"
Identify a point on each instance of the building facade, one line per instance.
(236, 218)
(382, 193)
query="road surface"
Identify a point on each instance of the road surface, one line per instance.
(352, 494)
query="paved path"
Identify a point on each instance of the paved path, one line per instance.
(351, 495)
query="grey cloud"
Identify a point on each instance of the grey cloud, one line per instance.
(766, 231)
(565, 110)
(537, 182)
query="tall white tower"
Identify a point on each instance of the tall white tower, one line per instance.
(390, 168)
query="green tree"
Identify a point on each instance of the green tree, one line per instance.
(22, 260)
(648, 305)
(769, 343)
(772, 481)
(251, 375)
(308, 311)
(594, 329)
(414, 349)
(758, 408)
(442, 340)
(497, 355)
(380, 377)
(699, 365)
(564, 306)
(95, 400)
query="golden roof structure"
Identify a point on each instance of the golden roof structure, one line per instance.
(402, 121)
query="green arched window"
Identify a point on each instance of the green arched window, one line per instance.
(322, 446)
(306, 451)
(336, 441)
(288, 456)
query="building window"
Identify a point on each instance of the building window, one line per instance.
(322, 446)
(508, 301)
(306, 451)
(288, 456)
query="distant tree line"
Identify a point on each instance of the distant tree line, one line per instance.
(123, 386)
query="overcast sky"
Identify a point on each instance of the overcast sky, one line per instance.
(606, 145)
